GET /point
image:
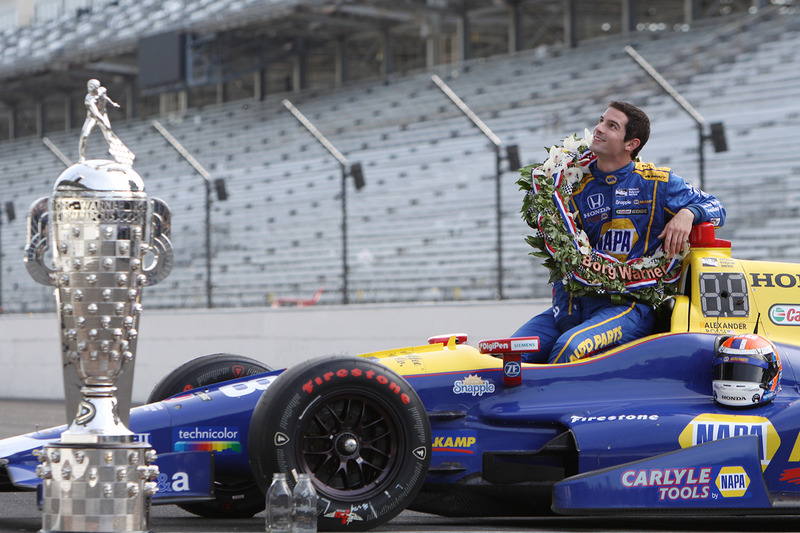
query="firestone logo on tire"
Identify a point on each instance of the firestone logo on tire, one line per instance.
(369, 375)
(785, 314)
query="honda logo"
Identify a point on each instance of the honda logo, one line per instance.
(595, 201)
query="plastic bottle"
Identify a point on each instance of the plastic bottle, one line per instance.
(304, 505)
(279, 506)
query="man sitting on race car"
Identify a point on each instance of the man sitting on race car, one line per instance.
(627, 209)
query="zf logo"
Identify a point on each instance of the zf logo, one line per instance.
(512, 369)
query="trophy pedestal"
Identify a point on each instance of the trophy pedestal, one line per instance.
(98, 419)
(108, 241)
(102, 487)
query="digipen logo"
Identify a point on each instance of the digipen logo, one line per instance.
(785, 314)
(492, 346)
(512, 369)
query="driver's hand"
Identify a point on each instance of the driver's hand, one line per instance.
(676, 232)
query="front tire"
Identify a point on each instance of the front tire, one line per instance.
(356, 426)
(232, 498)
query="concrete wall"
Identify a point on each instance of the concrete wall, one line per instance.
(30, 356)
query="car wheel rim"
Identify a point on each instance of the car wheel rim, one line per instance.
(350, 444)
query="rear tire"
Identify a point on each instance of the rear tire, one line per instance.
(356, 426)
(203, 371)
(233, 499)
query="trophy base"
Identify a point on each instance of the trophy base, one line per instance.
(103, 488)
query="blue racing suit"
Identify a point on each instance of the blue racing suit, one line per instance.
(622, 213)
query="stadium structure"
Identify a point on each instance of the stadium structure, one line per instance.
(406, 200)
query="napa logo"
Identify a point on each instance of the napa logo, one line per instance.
(618, 237)
(708, 427)
(732, 481)
(617, 241)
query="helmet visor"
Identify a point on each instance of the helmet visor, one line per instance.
(747, 372)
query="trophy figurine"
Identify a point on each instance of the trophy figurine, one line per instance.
(106, 241)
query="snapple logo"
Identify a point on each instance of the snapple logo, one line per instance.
(785, 314)
(473, 384)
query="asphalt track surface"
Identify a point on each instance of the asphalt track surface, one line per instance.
(19, 512)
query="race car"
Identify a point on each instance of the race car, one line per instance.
(702, 414)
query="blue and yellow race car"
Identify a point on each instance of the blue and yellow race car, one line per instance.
(455, 430)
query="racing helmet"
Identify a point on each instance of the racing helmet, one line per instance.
(747, 371)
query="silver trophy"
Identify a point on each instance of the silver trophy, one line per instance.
(107, 240)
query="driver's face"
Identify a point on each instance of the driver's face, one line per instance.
(609, 134)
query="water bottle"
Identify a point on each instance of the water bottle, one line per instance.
(304, 504)
(279, 505)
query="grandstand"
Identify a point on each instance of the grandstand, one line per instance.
(423, 228)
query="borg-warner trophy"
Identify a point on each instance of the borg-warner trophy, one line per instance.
(107, 240)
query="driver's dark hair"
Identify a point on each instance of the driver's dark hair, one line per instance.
(638, 126)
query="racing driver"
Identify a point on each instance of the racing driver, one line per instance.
(627, 209)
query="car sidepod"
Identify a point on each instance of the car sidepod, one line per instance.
(717, 476)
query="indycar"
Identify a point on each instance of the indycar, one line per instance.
(455, 430)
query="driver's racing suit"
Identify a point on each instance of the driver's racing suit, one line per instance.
(622, 213)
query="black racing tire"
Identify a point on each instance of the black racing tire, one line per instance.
(203, 371)
(233, 498)
(356, 426)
